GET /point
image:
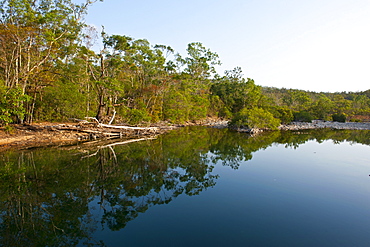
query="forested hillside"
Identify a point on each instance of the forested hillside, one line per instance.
(50, 72)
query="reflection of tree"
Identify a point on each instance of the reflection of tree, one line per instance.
(47, 195)
(235, 148)
(153, 173)
(33, 215)
(294, 139)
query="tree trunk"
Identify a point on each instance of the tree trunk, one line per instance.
(101, 108)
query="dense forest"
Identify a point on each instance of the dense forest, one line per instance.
(50, 71)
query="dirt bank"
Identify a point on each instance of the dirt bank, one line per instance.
(61, 134)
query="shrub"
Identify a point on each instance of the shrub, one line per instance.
(176, 107)
(339, 117)
(302, 116)
(283, 113)
(137, 116)
(11, 105)
(255, 118)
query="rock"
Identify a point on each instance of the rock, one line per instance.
(317, 124)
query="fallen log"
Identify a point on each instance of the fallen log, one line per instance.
(121, 126)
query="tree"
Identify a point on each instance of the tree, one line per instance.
(255, 118)
(138, 71)
(201, 61)
(322, 108)
(297, 99)
(10, 104)
(34, 35)
(236, 92)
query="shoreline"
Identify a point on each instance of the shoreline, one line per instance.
(22, 137)
(315, 124)
(62, 134)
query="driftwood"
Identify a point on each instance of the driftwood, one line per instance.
(121, 126)
(90, 130)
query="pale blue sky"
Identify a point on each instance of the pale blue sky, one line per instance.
(317, 45)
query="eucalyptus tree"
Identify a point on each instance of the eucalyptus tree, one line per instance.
(322, 108)
(297, 99)
(130, 73)
(361, 104)
(201, 62)
(188, 98)
(34, 35)
(236, 92)
(105, 67)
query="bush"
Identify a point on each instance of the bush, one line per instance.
(283, 113)
(11, 105)
(136, 116)
(303, 116)
(176, 107)
(339, 117)
(255, 118)
(217, 108)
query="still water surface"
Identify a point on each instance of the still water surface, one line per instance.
(191, 187)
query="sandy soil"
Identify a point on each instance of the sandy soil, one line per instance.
(40, 134)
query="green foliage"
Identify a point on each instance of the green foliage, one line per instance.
(312, 105)
(199, 106)
(255, 118)
(11, 105)
(48, 71)
(303, 116)
(137, 116)
(218, 108)
(235, 92)
(175, 108)
(339, 117)
(322, 108)
(355, 120)
(201, 61)
(35, 35)
(296, 99)
(283, 113)
(63, 101)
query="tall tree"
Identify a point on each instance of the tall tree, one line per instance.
(201, 62)
(34, 35)
(236, 92)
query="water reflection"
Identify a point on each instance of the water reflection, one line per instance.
(48, 196)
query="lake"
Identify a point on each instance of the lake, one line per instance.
(194, 186)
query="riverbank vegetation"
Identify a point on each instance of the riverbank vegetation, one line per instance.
(50, 71)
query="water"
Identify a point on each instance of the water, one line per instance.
(191, 187)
